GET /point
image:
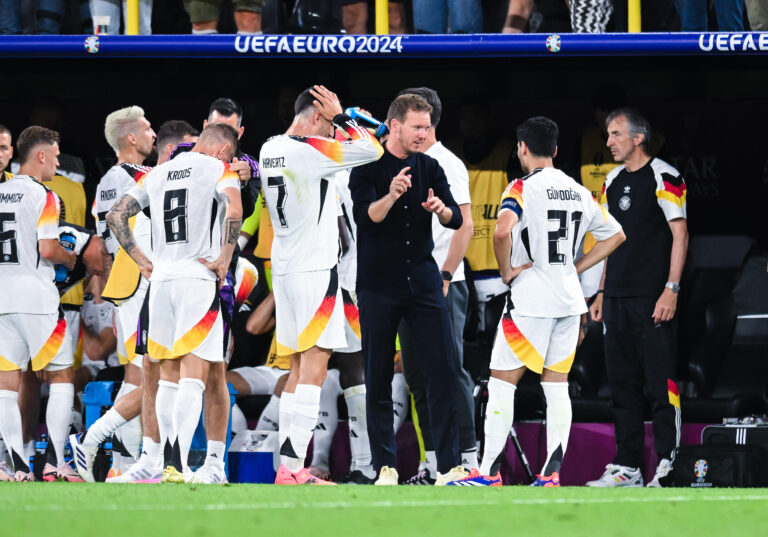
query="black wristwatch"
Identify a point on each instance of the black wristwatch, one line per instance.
(447, 276)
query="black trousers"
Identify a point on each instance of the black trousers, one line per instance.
(640, 362)
(427, 317)
(457, 299)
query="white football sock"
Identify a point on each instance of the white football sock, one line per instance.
(499, 416)
(165, 400)
(186, 414)
(286, 418)
(58, 416)
(152, 450)
(358, 430)
(10, 424)
(327, 420)
(29, 450)
(130, 436)
(270, 416)
(103, 427)
(239, 423)
(559, 415)
(306, 405)
(215, 452)
(400, 399)
(430, 463)
(469, 459)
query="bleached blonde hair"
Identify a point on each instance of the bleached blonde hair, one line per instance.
(118, 124)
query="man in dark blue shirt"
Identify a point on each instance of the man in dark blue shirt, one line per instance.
(397, 278)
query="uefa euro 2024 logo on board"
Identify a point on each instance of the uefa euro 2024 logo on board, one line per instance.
(553, 43)
(92, 44)
(700, 468)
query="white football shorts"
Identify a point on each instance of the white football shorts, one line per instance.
(42, 339)
(309, 311)
(535, 342)
(261, 379)
(126, 326)
(185, 318)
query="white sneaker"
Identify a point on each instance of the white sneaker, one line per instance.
(454, 474)
(387, 476)
(6, 472)
(662, 470)
(83, 457)
(211, 474)
(143, 471)
(618, 476)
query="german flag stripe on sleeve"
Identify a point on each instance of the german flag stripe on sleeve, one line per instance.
(228, 173)
(50, 214)
(673, 190)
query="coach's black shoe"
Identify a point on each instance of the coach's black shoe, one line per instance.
(356, 477)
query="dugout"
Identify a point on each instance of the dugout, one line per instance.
(704, 93)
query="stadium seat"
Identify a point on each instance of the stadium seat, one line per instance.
(729, 368)
(711, 271)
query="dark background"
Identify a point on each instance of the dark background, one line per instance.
(711, 110)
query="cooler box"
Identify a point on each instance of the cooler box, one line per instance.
(254, 457)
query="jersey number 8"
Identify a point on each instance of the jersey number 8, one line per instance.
(175, 216)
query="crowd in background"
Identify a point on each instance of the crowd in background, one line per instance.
(357, 16)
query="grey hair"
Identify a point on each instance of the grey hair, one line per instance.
(118, 123)
(636, 122)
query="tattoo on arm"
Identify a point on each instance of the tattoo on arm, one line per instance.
(117, 219)
(232, 230)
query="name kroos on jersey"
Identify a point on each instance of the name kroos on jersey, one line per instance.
(318, 44)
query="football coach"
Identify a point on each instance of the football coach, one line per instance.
(397, 278)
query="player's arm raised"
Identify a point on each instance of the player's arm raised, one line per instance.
(117, 220)
(233, 221)
(361, 148)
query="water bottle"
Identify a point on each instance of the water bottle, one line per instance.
(37, 464)
(67, 241)
(365, 119)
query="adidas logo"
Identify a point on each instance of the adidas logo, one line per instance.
(320, 427)
(353, 434)
(214, 456)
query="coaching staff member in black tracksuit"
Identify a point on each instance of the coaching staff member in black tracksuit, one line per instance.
(397, 278)
(640, 285)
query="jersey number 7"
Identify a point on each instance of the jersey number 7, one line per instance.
(278, 182)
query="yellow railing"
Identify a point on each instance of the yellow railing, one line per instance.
(382, 17)
(131, 17)
(633, 19)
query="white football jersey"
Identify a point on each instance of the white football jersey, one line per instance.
(298, 185)
(348, 261)
(28, 212)
(116, 182)
(187, 202)
(555, 212)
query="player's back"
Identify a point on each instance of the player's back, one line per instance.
(28, 212)
(301, 198)
(186, 212)
(556, 211)
(118, 180)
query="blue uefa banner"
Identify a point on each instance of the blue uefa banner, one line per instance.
(405, 46)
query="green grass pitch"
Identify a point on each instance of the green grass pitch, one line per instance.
(84, 510)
